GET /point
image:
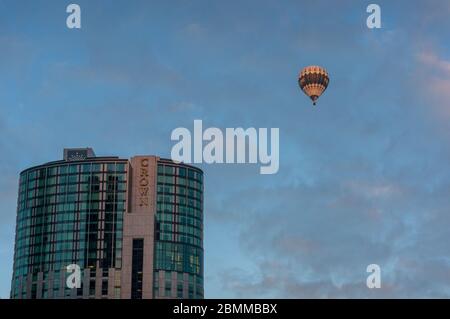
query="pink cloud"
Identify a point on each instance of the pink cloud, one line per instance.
(434, 77)
(430, 59)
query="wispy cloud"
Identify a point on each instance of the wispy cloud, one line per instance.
(438, 64)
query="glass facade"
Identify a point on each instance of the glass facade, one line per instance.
(178, 251)
(88, 212)
(68, 213)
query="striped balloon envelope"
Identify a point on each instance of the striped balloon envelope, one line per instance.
(313, 80)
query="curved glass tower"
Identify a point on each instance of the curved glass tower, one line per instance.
(179, 232)
(105, 227)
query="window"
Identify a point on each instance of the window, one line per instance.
(92, 287)
(180, 290)
(137, 264)
(104, 287)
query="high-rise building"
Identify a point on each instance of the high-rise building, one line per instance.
(133, 228)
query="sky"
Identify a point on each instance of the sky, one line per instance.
(364, 177)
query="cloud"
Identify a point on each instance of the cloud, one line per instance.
(430, 59)
(194, 30)
(317, 242)
(433, 75)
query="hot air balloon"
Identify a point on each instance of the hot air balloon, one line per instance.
(313, 80)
